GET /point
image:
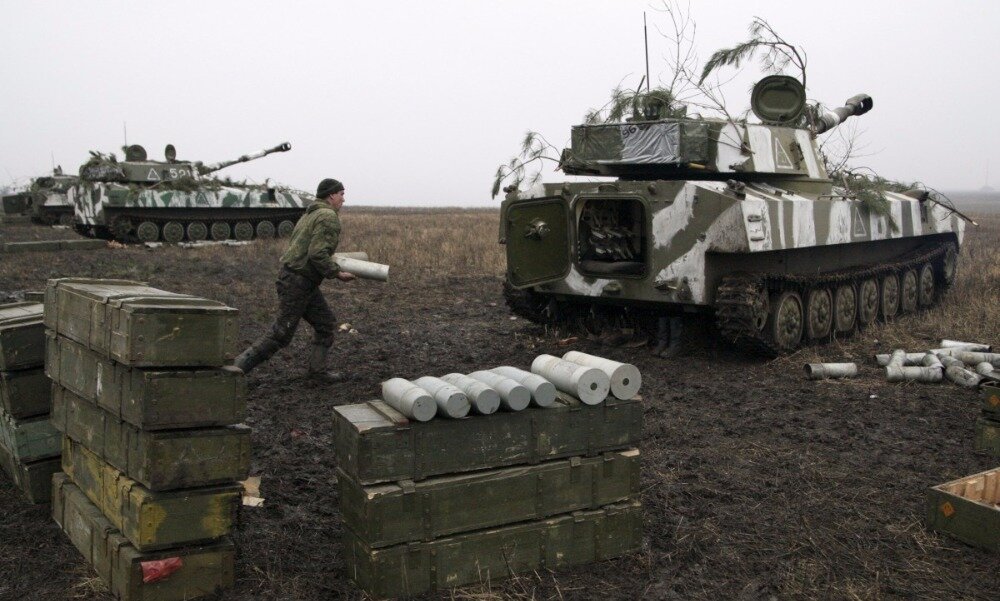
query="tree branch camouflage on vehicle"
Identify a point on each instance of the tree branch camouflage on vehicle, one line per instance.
(173, 200)
(725, 216)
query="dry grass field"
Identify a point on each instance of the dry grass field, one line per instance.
(756, 484)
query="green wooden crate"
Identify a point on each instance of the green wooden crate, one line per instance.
(490, 555)
(160, 460)
(991, 401)
(22, 339)
(141, 326)
(968, 509)
(988, 436)
(25, 392)
(374, 443)
(34, 479)
(388, 514)
(149, 399)
(201, 570)
(152, 520)
(29, 439)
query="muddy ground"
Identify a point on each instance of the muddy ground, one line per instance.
(756, 483)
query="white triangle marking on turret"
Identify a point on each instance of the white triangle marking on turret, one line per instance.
(860, 231)
(152, 174)
(781, 158)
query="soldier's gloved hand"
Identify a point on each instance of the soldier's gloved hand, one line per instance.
(343, 276)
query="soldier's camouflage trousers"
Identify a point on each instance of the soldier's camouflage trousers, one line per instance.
(298, 298)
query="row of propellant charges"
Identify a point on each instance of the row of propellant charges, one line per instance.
(152, 452)
(443, 503)
(586, 377)
(29, 445)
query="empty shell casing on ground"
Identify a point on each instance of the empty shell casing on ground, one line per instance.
(962, 376)
(948, 361)
(513, 396)
(984, 368)
(974, 358)
(625, 377)
(451, 401)
(484, 400)
(966, 346)
(589, 384)
(931, 360)
(899, 373)
(822, 371)
(409, 399)
(898, 358)
(543, 392)
(364, 269)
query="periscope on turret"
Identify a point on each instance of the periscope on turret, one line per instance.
(728, 217)
(139, 199)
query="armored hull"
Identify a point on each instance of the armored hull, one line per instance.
(735, 219)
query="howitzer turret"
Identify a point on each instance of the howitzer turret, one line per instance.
(212, 167)
(854, 106)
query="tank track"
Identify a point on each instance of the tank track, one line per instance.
(737, 312)
(528, 305)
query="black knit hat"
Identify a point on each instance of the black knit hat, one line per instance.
(327, 187)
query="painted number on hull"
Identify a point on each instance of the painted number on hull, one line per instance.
(171, 173)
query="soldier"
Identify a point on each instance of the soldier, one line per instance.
(304, 266)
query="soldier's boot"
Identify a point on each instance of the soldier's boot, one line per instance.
(317, 366)
(256, 354)
(668, 344)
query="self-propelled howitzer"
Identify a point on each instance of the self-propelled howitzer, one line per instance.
(173, 200)
(735, 218)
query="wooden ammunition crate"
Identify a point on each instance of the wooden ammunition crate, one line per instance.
(968, 509)
(22, 338)
(29, 439)
(149, 399)
(152, 520)
(187, 573)
(991, 401)
(25, 393)
(388, 514)
(489, 555)
(34, 479)
(375, 443)
(988, 436)
(159, 460)
(141, 326)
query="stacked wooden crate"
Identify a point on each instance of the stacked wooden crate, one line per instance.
(449, 502)
(29, 445)
(152, 449)
(988, 425)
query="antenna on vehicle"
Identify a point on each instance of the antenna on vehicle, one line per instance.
(125, 132)
(645, 41)
(52, 156)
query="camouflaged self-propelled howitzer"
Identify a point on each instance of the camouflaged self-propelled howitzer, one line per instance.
(172, 200)
(731, 217)
(46, 200)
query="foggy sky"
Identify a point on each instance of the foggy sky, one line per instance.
(416, 103)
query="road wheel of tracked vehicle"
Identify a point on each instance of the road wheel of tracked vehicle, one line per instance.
(867, 301)
(265, 229)
(947, 266)
(121, 228)
(220, 230)
(889, 304)
(285, 228)
(197, 231)
(819, 313)
(909, 291)
(173, 232)
(845, 309)
(927, 285)
(147, 232)
(243, 230)
(786, 323)
(66, 219)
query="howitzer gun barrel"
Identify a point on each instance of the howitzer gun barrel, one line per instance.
(853, 107)
(283, 147)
